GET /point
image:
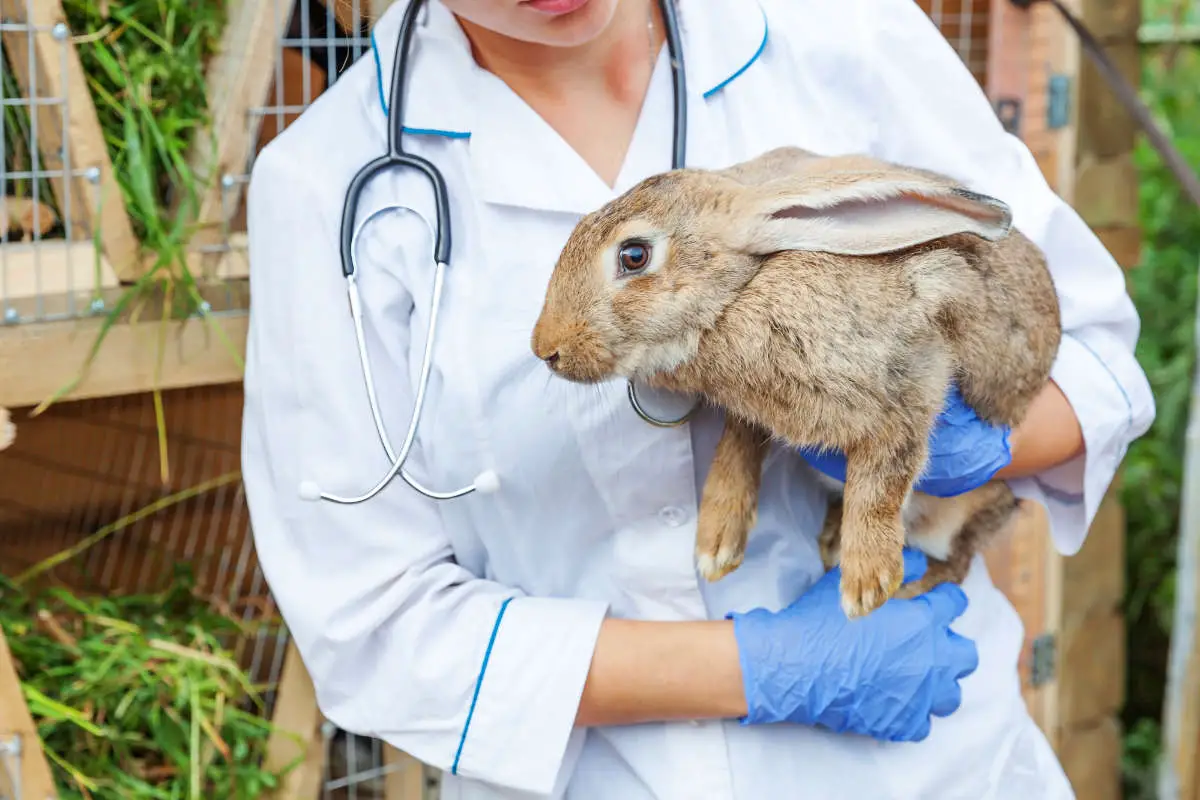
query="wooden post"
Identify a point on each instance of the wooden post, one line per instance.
(74, 130)
(17, 732)
(297, 739)
(406, 781)
(37, 359)
(239, 77)
(1104, 191)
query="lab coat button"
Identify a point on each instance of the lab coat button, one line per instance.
(673, 516)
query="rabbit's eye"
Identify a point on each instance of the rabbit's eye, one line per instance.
(633, 257)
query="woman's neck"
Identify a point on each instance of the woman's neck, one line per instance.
(591, 95)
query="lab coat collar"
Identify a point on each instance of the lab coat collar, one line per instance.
(450, 97)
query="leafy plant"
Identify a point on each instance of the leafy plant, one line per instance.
(138, 697)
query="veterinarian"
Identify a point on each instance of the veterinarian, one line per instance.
(550, 636)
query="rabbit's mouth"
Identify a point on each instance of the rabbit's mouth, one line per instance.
(593, 368)
(575, 353)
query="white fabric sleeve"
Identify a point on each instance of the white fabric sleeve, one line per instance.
(929, 111)
(402, 643)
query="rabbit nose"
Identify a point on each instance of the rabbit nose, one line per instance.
(551, 360)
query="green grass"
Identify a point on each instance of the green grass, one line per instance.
(145, 63)
(137, 698)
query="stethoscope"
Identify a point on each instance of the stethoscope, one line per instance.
(487, 481)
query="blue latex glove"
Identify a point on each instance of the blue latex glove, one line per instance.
(964, 452)
(882, 675)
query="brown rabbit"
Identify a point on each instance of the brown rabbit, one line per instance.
(820, 301)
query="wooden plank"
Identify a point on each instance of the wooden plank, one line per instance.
(297, 737)
(1112, 20)
(1106, 129)
(58, 73)
(1123, 242)
(16, 726)
(1017, 567)
(1106, 192)
(406, 781)
(379, 8)
(53, 267)
(1091, 757)
(239, 76)
(37, 359)
(1008, 33)
(1092, 657)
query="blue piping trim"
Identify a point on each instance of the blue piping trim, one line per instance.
(383, 104)
(379, 72)
(1066, 498)
(478, 683)
(762, 46)
(1105, 367)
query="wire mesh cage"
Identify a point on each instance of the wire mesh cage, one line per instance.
(966, 25)
(302, 47)
(64, 233)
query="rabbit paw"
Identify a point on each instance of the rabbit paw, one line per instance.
(830, 540)
(721, 543)
(869, 578)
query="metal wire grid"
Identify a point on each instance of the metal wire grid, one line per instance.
(317, 46)
(84, 465)
(38, 200)
(964, 23)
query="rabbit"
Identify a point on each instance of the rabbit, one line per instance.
(817, 301)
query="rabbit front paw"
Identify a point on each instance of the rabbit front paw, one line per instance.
(721, 542)
(870, 577)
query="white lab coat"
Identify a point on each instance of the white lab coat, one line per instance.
(396, 604)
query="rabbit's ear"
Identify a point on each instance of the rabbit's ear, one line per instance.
(880, 214)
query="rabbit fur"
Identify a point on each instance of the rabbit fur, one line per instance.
(818, 301)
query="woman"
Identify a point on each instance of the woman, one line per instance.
(553, 638)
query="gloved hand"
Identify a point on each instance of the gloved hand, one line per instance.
(964, 452)
(882, 675)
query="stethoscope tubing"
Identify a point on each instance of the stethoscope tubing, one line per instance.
(396, 157)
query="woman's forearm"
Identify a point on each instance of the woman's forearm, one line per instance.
(657, 671)
(1050, 435)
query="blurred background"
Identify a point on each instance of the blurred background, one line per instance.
(141, 654)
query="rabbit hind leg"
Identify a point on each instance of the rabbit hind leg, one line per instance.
(951, 530)
(829, 542)
(729, 503)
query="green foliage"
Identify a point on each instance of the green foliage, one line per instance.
(135, 697)
(145, 63)
(1164, 287)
